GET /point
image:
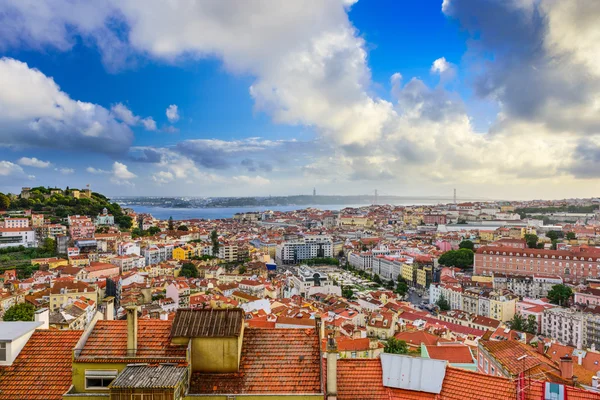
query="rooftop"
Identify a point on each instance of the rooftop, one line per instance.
(12, 330)
(144, 376)
(208, 323)
(42, 370)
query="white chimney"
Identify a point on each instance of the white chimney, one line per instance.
(579, 358)
(332, 355)
(164, 315)
(43, 315)
(132, 325)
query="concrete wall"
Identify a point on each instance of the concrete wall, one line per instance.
(215, 355)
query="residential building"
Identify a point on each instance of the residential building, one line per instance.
(64, 293)
(565, 325)
(536, 286)
(457, 355)
(571, 266)
(306, 248)
(37, 220)
(157, 253)
(105, 218)
(307, 278)
(12, 237)
(16, 223)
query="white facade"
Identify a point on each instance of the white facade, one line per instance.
(157, 253)
(16, 223)
(306, 278)
(564, 325)
(11, 237)
(309, 247)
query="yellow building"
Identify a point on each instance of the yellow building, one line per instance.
(52, 262)
(408, 273)
(424, 276)
(184, 252)
(355, 221)
(65, 293)
(487, 236)
(503, 307)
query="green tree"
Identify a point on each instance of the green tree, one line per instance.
(560, 294)
(571, 236)
(442, 303)
(347, 293)
(518, 323)
(377, 279)
(183, 228)
(171, 224)
(242, 269)
(531, 240)
(461, 258)
(466, 244)
(531, 325)
(20, 312)
(552, 235)
(214, 238)
(401, 287)
(136, 233)
(49, 246)
(153, 230)
(395, 346)
(188, 270)
(4, 202)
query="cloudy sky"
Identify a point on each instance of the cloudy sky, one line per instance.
(497, 98)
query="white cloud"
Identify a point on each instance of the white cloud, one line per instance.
(34, 112)
(172, 113)
(121, 173)
(33, 162)
(65, 171)
(96, 171)
(163, 177)
(121, 112)
(440, 65)
(10, 169)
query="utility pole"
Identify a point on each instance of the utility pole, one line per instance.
(454, 196)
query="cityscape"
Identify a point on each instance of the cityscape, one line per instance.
(300, 200)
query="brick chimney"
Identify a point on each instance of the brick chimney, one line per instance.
(566, 367)
(132, 325)
(332, 355)
(541, 346)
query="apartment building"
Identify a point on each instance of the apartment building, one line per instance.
(128, 262)
(536, 286)
(565, 325)
(81, 227)
(53, 230)
(157, 253)
(228, 252)
(306, 278)
(16, 223)
(305, 248)
(11, 237)
(64, 293)
(571, 266)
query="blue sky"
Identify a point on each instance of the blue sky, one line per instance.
(410, 97)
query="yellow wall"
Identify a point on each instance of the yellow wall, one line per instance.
(481, 278)
(79, 374)
(216, 355)
(257, 397)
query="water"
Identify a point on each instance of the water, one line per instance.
(228, 212)
(221, 212)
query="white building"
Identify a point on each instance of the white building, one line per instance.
(157, 253)
(564, 325)
(11, 237)
(16, 223)
(129, 248)
(306, 248)
(306, 278)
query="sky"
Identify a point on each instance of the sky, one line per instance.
(499, 99)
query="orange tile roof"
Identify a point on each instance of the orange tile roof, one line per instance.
(360, 379)
(108, 341)
(42, 370)
(451, 353)
(272, 361)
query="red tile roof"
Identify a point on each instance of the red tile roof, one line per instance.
(42, 370)
(108, 341)
(451, 353)
(272, 361)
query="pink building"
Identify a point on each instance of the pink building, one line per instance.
(588, 297)
(434, 219)
(443, 245)
(101, 270)
(16, 223)
(535, 307)
(81, 227)
(571, 266)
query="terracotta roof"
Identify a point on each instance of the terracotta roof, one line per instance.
(415, 338)
(451, 353)
(272, 361)
(510, 354)
(108, 341)
(360, 379)
(208, 323)
(42, 370)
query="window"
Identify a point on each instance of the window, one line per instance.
(99, 379)
(3, 351)
(481, 360)
(353, 354)
(486, 366)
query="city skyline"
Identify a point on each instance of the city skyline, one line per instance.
(496, 99)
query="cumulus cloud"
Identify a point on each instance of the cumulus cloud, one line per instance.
(124, 114)
(33, 162)
(120, 172)
(251, 180)
(8, 168)
(172, 113)
(34, 112)
(163, 177)
(536, 59)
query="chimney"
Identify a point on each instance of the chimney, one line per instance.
(164, 316)
(42, 315)
(595, 382)
(132, 325)
(566, 367)
(579, 358)
(332, 355)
